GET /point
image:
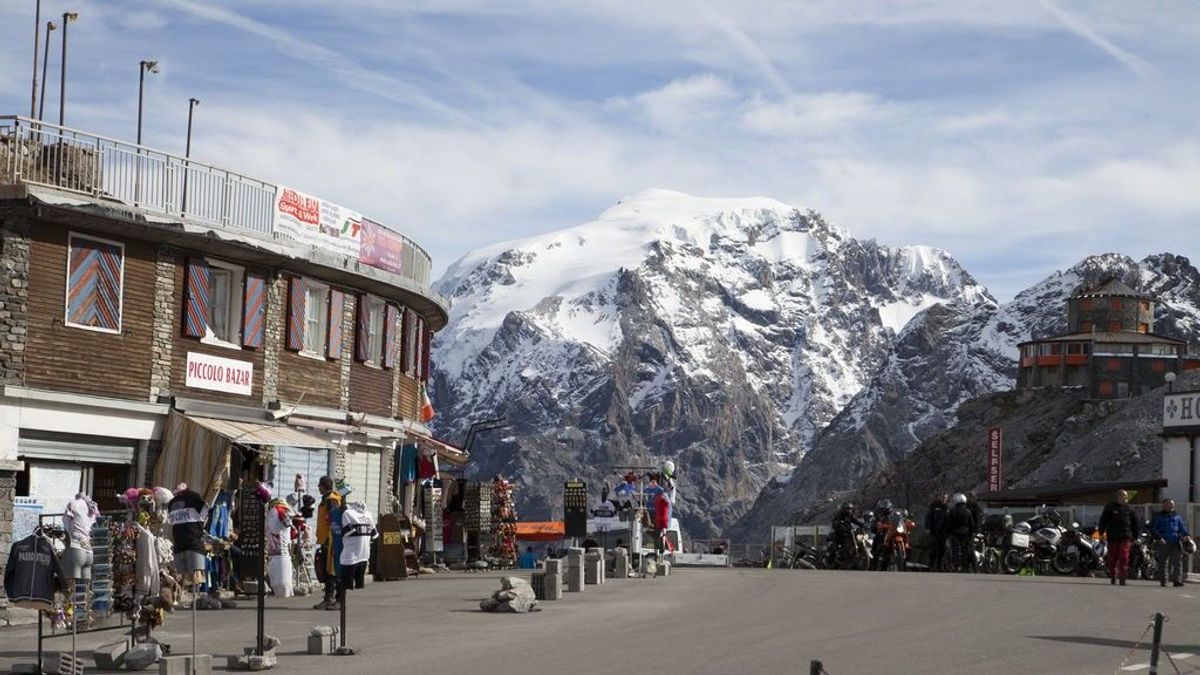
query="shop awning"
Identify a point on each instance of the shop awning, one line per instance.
(196, 450)
(552, 530)
(446, 451)
(260, 433)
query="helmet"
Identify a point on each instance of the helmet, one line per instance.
(668, 469)
(884, 505)
(958, 498)
(847, 507)
(1189, 545)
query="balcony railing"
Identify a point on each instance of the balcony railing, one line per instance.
(38, 153)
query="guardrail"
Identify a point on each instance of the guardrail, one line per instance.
(39, 153)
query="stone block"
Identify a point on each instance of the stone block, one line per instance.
(554, 567)
(111, 656)
(182, 665)
(316, 644)
(593, 572)
(664, 568)
(574, 579)
(554, 588)
(142, 656)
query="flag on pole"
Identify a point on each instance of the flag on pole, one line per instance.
(427, 411)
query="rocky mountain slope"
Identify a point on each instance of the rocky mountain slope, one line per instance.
(947, 356)
(722, 334)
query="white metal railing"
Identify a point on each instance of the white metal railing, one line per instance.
(39, 153)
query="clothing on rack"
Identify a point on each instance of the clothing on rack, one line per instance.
(146, 567)
(187, 512)
(358, 529)
(32, 573)
(408, 462)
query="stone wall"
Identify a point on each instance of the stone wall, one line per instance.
(349, 307)
(8, 492)
(273, 337)
(164, 327)
(14, 298)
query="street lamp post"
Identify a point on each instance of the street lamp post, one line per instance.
(67, 18)
(37, 28)
(143, 67)
(41, 111)
(1170, 378)
(187, 152)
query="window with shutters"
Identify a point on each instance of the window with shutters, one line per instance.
(375, 331)
(316, 315)
(225, 305)
(410, 342)
(1106, 388)
(95, 279)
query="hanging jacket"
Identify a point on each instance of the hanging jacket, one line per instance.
(358, 529)
(146, 567)
(1168, 527)
(32, 573)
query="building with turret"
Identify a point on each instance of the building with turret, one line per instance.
(1110, 347)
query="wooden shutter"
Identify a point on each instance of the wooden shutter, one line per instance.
(295, 314)
(389, 336)
(337, 301)
(197, 299)
(254, 303)
(426, 339)
(405, 347)
(362, 334)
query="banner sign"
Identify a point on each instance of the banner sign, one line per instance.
(995, 452)
(575, 510)
(316, 222)
(251, 534)
(381, 248)
(216, 373)
(1181, 410)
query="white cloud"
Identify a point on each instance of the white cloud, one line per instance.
(815, 114)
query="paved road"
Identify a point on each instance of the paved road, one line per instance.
(722, 621)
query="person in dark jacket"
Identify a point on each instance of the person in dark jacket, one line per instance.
(1169, 531)
(935, 524)
(976, 510)
(1120, 524)
(960, 525)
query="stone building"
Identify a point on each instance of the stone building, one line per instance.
(1110, 348)
(162, 319)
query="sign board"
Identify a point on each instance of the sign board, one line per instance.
(217, 373)
(251, 534)
(575, 508)
(1181, 410)
(381, 248)
(310, 220)
(994, 457)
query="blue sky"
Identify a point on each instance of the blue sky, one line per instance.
(1018, 135)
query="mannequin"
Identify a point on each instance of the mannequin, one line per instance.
(78, 518)
(187, 513)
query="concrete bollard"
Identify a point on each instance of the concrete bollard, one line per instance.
(554, 567)
(574, 579)
(111, 656)
(554, 588)
(182, 665)
(621, 564)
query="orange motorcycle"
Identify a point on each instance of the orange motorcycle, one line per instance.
(897, 540)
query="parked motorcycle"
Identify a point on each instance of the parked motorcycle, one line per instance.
(1142, 557)
(897, 541)
(1043, 539)
(1078, 553)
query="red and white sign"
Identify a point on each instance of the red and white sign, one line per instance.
(316, 222)
(995, 452)
(215, 373)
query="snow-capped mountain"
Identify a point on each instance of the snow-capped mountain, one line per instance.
(948, 355)
(724, 334)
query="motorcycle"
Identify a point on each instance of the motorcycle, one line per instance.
(897, 542)
(1078, 553)
(1042, 537)
(1142, 557)
(854, 553)
(996, 531)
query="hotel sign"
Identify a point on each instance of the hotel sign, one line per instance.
(1181, 410)
(219, 374)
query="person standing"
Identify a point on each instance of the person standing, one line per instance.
(329, 541)
(1169, 532)
(976, 510)
(1119, 523)
(960, 525)
(935, 524)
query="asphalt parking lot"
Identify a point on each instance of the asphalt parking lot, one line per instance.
(719, 621)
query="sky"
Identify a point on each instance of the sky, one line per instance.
(1020, 135)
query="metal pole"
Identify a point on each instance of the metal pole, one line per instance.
(815, 668)
(187, 153)
(37, 33)
(1158, 623)
(141, 87)
(262, 595)
(62, 78)
(41, 111)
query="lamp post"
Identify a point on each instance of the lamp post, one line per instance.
(1170, 378)
(67, 18)
(143, 68)
(41, 111)
(187, 152)
(37, 27)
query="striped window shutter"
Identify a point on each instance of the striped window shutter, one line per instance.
(389, 336)
(426, 338)
(362, 337)
(337, 301)
(254, 311)
(405, 352)
(94, 284)
(197, 298)
(295, 315)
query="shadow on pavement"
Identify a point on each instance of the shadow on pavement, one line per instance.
(1118, 644)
